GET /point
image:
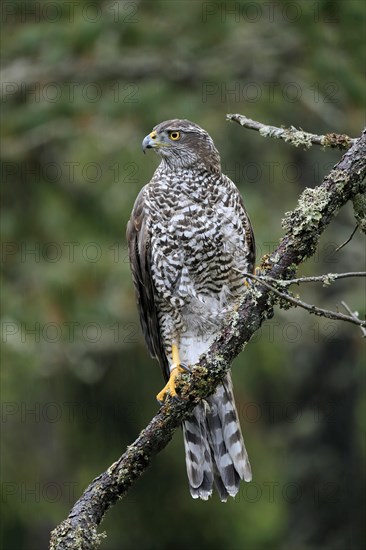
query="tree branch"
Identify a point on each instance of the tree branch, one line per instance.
(316, 208)
(311, 308)
(355, 316)
(294, 136)
(347, 240)
(325, 279)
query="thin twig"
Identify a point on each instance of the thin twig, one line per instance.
(355, 316)
(294, 136)
(326, 279)
(311, 308)
(348, 240)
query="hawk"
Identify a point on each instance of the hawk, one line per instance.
(190, 243)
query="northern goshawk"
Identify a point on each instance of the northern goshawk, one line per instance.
(190, 243)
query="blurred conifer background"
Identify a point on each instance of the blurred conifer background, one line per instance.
(82, 83)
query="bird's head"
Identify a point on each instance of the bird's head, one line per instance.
(183, 144)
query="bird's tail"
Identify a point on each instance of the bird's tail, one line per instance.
(214, 445)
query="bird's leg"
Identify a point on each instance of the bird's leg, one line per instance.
(175, 371)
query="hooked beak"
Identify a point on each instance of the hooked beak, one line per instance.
(150, 141)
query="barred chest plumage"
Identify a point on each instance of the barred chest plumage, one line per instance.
(198, 248)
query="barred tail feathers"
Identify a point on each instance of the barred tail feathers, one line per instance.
(215, 450)
(198, 453)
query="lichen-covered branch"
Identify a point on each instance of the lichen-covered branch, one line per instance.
(304, 225)
(293, 135)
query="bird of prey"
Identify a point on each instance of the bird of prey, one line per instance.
(190, 243)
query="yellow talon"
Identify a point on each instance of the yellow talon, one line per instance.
(170, 385)
(174, 373)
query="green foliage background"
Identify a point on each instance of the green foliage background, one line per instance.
(82, 84)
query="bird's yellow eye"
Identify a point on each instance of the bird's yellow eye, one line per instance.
(174, 135)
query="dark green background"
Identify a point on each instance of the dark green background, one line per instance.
(82, 84)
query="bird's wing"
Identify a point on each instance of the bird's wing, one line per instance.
(246, 223)
(139, 246)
